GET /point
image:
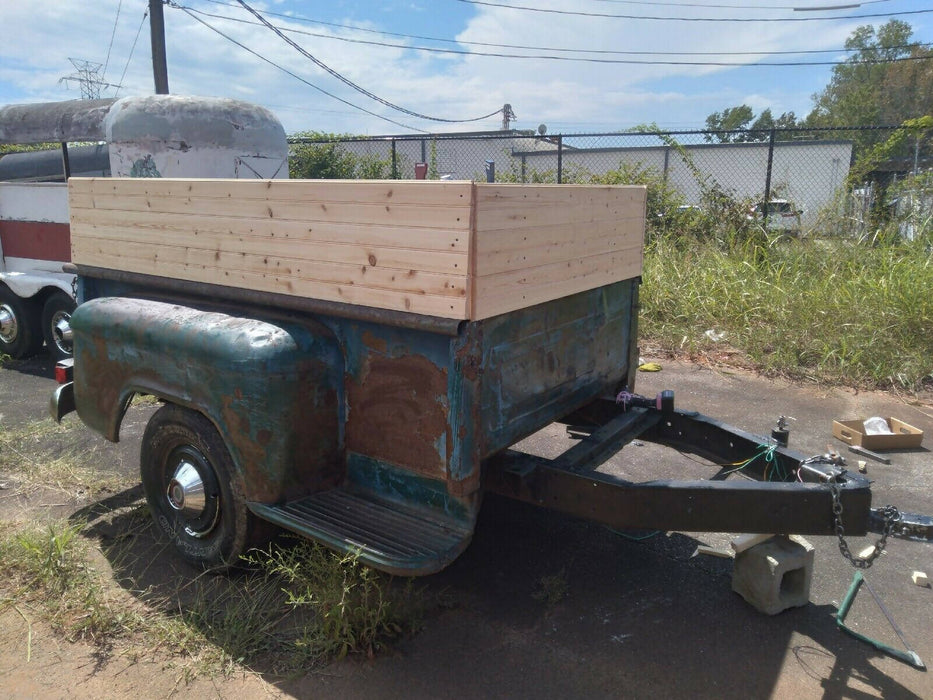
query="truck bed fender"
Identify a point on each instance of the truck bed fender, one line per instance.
(273, 389)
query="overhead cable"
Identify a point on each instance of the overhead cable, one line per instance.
(132, 49)
(545, 57)
(524, 47)
(103, 73)
(607, 15)
(285, 70)
(349, 82)
(740, 6)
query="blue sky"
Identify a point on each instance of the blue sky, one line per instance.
(38, 37)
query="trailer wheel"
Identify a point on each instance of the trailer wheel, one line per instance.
(20, 332)
(56, 324)
(193, 491)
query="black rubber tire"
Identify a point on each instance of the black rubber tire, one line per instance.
(24, 337)
(225, 528)
(57, 306)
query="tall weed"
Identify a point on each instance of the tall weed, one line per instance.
(830, 310)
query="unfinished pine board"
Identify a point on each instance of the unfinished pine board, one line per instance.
(371, 243)
(540, 242)
(451, 249)
(427, 193)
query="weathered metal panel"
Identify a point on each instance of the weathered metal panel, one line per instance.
(397, 402)
(541, 363)
(272, 389)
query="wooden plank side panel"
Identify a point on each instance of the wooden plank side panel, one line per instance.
(524, 206)
(455, 250)
(446, 218)
(187, 258)
(508, 291)
(395, 299)
(440, 261)
(509, 249)
(386, 254)
(538, 243)
(420, 193)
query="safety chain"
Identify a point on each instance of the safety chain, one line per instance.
(890, 515)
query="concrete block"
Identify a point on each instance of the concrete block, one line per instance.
(775, 575)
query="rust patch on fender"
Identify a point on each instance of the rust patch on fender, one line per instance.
(374, 342)
(398, 412)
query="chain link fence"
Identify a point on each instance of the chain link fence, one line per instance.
(833, 181)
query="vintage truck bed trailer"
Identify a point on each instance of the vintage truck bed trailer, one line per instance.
(355, 362)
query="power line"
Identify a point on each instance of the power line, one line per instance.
(611, 52)
(606, 15)
(350, 83)
(132, 49)
(112, 35)
(462, 52)
(294, 75)
(743, 6)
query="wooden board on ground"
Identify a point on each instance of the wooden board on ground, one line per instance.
(458, 250)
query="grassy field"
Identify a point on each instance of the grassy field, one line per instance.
(832, 311)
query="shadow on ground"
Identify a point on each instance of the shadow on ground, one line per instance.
(634, 617)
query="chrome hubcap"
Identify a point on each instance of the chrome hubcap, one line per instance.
(187, 496)
(186, 491)
(61, 331)
(8, 325)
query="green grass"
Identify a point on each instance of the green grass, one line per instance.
(833, 311)
(41, 454)
(295, 606)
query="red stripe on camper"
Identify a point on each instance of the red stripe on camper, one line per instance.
(39, 240)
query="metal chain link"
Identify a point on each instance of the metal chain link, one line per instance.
(890, 516)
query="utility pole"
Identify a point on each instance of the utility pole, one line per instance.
(157, 32)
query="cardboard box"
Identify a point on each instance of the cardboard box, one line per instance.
(852, 432)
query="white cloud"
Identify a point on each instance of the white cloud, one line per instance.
(39, 37)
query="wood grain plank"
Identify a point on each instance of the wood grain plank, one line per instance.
(444, 262)
(403, 215)
(502, 250)
(497, 294)
(213, 266)
(444, 307)
(413, 192)
(151, 224)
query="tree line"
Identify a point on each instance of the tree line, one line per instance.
(886, 80)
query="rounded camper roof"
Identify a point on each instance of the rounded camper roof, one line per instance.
(173, 118)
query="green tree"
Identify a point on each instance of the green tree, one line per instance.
(729, 119)
(741, 118)
(877, 84)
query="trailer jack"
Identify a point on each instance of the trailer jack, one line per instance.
(907, 655)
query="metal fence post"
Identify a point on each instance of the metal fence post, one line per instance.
(768, 173)
(394, 162)
(560, 159)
